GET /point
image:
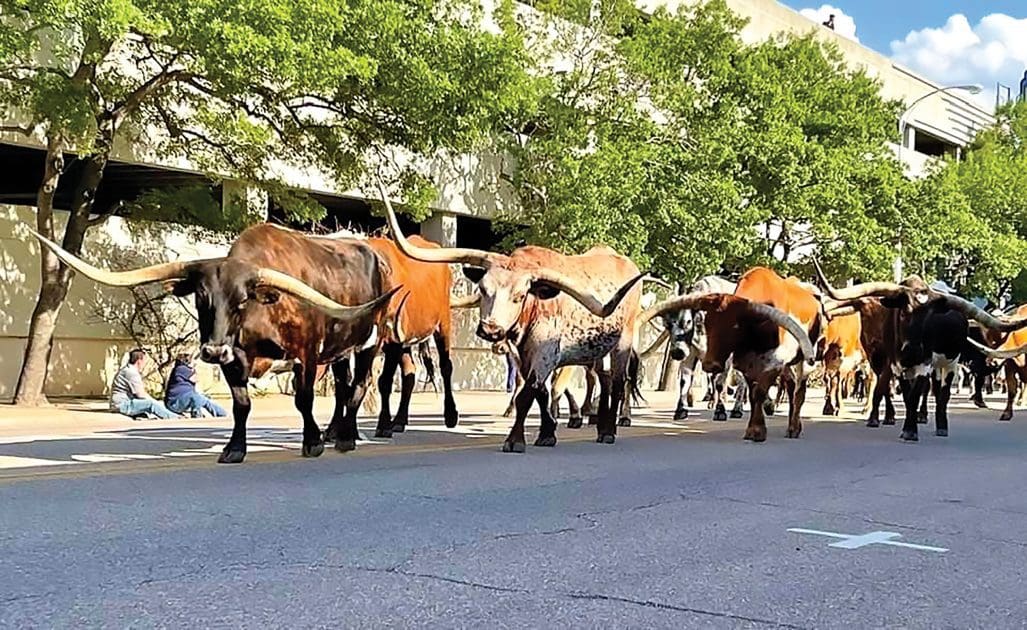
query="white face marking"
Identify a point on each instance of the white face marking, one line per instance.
(502, 297)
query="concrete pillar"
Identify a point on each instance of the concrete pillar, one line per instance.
(440, 228)
(239, 197)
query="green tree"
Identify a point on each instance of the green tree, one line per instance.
(967, 221)
(675, 143)
(239, 88)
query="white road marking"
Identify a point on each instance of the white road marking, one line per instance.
(855, 541)
(10, 461)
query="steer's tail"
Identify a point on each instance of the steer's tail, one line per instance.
(424, 350)
(632, 391)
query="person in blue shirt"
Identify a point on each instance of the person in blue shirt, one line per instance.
(181, 395)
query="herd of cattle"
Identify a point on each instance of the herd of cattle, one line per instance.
(333, 301)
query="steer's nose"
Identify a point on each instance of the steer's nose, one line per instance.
(216, 353)
(677, 353)
(490, 331)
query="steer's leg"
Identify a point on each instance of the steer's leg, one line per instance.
(719, 381)
(607, 428)
(391, 352)
(797, 377)
(515, 439)
(547, 426)
(573, 411)
(756, 431)
(449, 410)
(912, 391)
(348, 434)
(978, 384)
(741, 393)
(588, 404)
(409, 377)
(1011, 385)
(304, 376)
(236, 375)
(942, 392)
(686, 373)
(603, 381)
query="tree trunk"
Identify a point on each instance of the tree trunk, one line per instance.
(55, 276)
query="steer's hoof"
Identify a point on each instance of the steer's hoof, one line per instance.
(793, 433)
(888, 422)
(756, 434)
(719, 414)
(330, 433)
(624, 422)
(980, 404)
(910, 436)
(827, 411)
(593, 419)
(921, 418)
(768, 407)
(383, 433)
(514, 447)
(345, 446)
(231, 457)
(399, 428)
(451, 419)
(941, 432)
(545, 440)
(1006, 416)
(606, 438)
(313, 450)
(736, 413)
(681, 413)
(574, 422)
(873, 423)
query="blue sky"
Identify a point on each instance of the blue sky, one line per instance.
(948, 41)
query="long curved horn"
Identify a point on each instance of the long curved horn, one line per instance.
(703, 300)
(973, 311)
(462, 255)
(783, 320)
(866, 289)
(840, 311)
(301, 291)
(676, 303)
(466, 301)
(134, 277)
(583, 296)
(998, 354)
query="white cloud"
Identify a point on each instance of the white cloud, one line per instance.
(844, 25)
(995, 50)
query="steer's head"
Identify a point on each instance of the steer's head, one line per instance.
(684, 328)
(507, 284)
(227, 292)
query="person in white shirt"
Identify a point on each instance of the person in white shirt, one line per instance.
(128, 395)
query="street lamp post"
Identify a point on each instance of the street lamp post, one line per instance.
(897, 269)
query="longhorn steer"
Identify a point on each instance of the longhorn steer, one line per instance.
(928, 330)
(549, 304)
(420, 311)
(688, 345)
(279, 294)
(747, 326)
(842, 355)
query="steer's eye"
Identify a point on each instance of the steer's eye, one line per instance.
(517, 299)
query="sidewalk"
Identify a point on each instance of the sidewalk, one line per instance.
(77, 417)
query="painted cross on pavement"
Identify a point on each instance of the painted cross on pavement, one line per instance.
(854, 541)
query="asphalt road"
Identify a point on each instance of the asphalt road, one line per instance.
(667, 528)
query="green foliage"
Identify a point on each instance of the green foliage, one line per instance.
(977, 211)
(243, 88)
(689, 151)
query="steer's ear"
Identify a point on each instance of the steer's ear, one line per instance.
(264, 295)
(181, 288)
(474, 274)
(896, 301)
(543, 291)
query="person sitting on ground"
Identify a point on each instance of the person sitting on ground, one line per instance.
(181, 395)
(129, 397)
